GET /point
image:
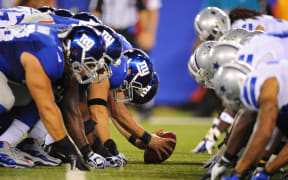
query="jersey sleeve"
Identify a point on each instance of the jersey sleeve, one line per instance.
(250, 91)
(50, 56)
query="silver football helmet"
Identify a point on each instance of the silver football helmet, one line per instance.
(227, 81)
(237, 35)
(200, 62)
(222, 53)
(211, 23)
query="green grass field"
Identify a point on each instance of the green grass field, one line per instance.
(181, 165)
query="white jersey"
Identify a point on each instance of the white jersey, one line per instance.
(263, 48)
(269, 23)
(250, 89)
(15, 15)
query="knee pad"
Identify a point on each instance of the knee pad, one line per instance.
(7, 98)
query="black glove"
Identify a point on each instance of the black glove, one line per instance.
(66, 150)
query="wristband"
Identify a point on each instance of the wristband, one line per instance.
(216, 121)
(226, 118)
(145, 138)
(132, 139)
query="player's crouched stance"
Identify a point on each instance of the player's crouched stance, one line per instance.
(36, 55)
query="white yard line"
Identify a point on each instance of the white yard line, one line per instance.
(75, 174)
(178, 120)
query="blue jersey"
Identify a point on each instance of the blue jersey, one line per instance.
(15, 15)
(118, 73)
(40, 41)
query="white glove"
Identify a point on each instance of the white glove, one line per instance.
(123, 159)
(113, 161)
(220, 168)
(208, 142)
(96, 161)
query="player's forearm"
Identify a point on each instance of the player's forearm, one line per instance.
(279, 161)
(241, 131)
(120, 129)
(75, 128)
(264, 128)
(52, 120)
(99, 114)
(126, 120)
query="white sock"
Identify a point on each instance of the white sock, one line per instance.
(15, 132)
(49, 139)
(38, 131)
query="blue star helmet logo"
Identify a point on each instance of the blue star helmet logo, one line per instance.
(222, 89)
(216, 65)
(213, 12)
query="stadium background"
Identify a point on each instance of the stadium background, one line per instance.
(175, 38)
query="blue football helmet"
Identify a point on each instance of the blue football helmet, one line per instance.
(125, 43)
(113, 44)
(85, 49)
(118, 73)
(85, 16)
(140, 74)
(47, 9)
(64, 13)
(146, 94)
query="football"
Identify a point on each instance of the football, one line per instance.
(150, 156)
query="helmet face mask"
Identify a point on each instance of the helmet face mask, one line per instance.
(199, 63)
(140, 74)
(146, 94)
(85, 48)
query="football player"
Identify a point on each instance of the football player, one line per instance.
(29, 60)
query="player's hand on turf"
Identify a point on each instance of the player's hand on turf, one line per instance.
(208, 142)
(201, 147)
(260, 176)
(220, 168)
(77, 162)
(123, 159)
(161, 145)
(231, 178)
(96, 161)
(113, 161)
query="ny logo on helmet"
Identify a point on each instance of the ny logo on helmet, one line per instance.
(143, 69)
(85, 42)
(108, 38)
(144, 91)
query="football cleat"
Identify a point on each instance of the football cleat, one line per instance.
(13, 158)
(34, 147)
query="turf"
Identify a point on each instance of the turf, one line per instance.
(181, 165)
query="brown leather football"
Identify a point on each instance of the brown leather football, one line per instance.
(150, 156)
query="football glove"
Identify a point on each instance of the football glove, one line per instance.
(123, 158)
(231, 178)
(96, 161)
(220, 168)
(260, 176)
(208, 142)
(113, 161)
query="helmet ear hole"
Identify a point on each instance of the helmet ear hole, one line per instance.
(75, 52)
